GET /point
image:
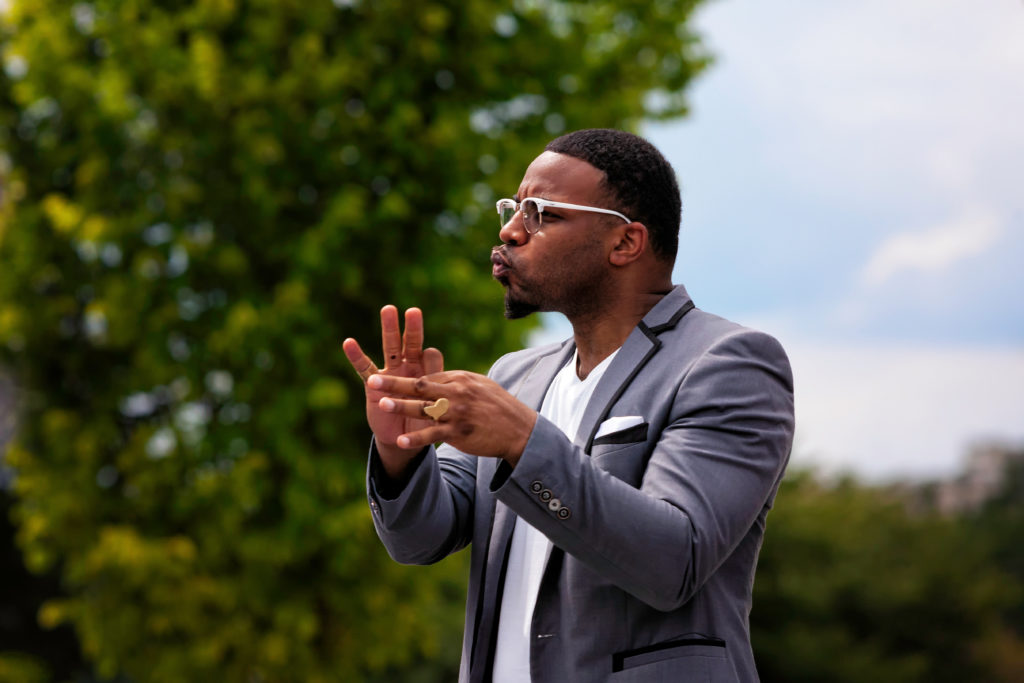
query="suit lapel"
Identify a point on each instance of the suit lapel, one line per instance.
(485, 634)
(634, 354)
(531, 391)
(534, 385)
(639, 347)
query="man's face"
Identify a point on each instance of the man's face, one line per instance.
(563, 266)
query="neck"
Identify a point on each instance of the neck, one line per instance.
(599, 333)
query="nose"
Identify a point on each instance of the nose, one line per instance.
(514, 232)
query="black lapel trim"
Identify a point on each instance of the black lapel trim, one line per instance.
(655, 345)
(480, 598)
(652, 334)
(485, 673)
(674, 320)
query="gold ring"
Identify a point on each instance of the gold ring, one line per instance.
(437, 409)
(370, 370)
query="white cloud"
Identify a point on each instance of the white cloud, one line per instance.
(933, 249)
(855, 165)
(879, 98)
(892, 412)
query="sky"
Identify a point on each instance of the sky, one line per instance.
(852, 184)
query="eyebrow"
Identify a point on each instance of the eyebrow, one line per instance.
(515, 197)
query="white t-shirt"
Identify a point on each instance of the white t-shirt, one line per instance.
(564, 404)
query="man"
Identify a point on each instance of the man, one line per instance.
(613, 487)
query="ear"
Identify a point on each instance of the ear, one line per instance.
(631, 243)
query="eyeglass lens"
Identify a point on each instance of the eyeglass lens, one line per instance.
(508, 210)
(532, 217)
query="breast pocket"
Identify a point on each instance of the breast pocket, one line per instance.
(625, 461)
(631, 434)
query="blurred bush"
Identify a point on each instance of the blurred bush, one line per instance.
(199, 201)
(858, 583)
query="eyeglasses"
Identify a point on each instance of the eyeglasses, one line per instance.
(533, 211)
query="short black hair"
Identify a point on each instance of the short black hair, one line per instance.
(641, 181)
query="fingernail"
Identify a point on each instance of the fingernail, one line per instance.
(387, 404)
(374, 382)
(403, 441)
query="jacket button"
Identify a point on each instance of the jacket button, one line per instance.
(536, 487)
(546, 495)
(563, 513)
(554, 504)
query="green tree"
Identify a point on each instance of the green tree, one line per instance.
(29, 653)
(1000, 521)
(199, 201)
(851, 586)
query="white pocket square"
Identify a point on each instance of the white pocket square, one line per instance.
(617, 424)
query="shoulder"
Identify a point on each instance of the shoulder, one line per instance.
(676, 323)
(702, 338)
(703, 330)
(512, 367)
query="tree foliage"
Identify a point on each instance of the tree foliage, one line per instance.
(199, 201)
(852, 586)
(1000, 522)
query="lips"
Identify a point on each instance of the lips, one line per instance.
(500, 267)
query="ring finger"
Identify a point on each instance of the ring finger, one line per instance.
(424, 410)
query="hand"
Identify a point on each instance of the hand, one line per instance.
(482, 418)
(404, 357)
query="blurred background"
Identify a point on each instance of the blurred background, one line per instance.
(200, 200)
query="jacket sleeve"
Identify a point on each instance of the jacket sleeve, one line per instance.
(432, 515)
(711, 472)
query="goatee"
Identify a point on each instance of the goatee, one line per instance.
(515, 308)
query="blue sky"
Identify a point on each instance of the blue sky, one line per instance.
(852, 183)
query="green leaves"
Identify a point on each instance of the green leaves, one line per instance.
(854, 584)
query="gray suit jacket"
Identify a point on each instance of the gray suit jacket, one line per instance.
(656, 528)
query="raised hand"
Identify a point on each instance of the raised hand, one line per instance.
(404, 356)
(480, 418)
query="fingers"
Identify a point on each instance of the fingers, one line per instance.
(412, 340)
(403, 353)
(391, 337)
(423, 437)
(409, 386)
(353, 352)
(359, 360)
(433, 361)
(413, 407)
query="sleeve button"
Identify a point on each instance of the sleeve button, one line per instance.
(563, 513)
(546, 495)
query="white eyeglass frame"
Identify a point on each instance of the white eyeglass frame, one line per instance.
(543, 204)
